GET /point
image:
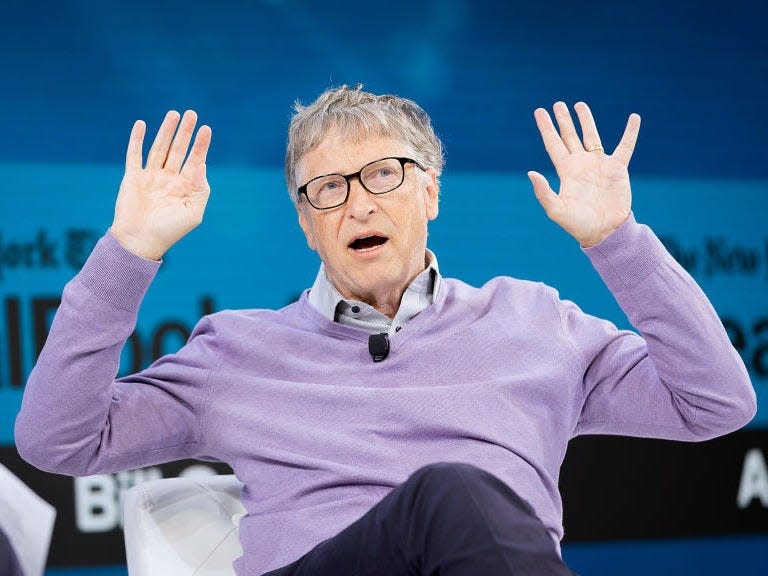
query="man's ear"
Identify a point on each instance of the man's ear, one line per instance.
(433, 194)
(306, 225)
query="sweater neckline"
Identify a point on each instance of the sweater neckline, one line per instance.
(413, 327)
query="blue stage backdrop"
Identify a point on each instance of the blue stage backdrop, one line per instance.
(76, 75)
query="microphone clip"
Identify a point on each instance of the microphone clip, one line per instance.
(378, 346)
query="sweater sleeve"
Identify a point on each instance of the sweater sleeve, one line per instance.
(75, 418)
(682, 379)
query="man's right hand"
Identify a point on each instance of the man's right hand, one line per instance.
(162, 201)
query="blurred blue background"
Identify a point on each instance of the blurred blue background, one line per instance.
(75, 75)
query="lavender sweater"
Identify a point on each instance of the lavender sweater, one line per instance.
(500, 376)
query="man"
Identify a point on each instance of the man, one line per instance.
(391, 421)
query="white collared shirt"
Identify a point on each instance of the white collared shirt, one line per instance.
(419, 294)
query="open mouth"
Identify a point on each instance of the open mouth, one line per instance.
(367, 243)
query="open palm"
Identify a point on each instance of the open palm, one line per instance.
(595, 195)
(161, 202)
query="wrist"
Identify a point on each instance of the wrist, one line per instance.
(135, 245)
(596, 238)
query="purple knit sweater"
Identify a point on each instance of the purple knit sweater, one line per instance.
(500, 376)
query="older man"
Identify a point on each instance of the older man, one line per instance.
(391, 421)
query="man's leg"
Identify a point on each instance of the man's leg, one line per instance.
(446, 519)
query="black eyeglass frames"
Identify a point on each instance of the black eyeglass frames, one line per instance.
(377, 177)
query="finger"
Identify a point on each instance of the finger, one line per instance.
(135, 143)
(567, 129)
(181, 141)
(544, 194)
(199, 151)
(626, 147)
(199, 179)
(159, 151)
(552, 142)
(588, 127)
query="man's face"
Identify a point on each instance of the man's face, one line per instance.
(349, 238)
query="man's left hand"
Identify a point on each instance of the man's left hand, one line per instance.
(595, 197)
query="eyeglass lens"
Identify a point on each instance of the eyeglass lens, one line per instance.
(377, 177)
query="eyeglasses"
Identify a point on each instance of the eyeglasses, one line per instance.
(377, 177)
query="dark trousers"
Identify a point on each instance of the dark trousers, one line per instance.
(447, 519)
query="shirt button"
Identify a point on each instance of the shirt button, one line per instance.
(355, 309)
(397, 329)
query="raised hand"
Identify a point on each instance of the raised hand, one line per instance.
(161, 202)
(595, 197)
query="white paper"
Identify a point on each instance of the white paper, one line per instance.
(27, 521)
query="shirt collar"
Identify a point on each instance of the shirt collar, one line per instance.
(326, 299)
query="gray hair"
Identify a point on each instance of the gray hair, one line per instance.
(359, 114)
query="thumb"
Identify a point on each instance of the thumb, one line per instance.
(544, 194)
(199, 179)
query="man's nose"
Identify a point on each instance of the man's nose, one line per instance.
(361, 203)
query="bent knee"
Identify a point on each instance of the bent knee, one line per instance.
(450, 474)
(460, 480)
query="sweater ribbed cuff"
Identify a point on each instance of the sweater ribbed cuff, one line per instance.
(627, 256)
(117, 276)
